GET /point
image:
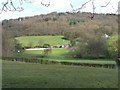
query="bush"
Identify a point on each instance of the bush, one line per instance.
(46, 46)
(91, 47)
(113, 46)
(47, 51)
(18, 46)
(72, 22)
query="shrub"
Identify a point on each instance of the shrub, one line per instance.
(47, 51)
(113, 46)
(90, 47)
(46, 46)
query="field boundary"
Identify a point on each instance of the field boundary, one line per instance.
(41, 61)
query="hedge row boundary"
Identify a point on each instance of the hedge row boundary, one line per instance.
(41, 61)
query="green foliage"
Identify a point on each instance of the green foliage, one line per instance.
(18, 46)
(46, 46)
(71, 35)
(72, 22)
(72, 42)
(47, 51)
(113, 46)
(90, 46)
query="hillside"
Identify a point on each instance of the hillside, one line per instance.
(55, 50)
(75, 27)
(60, 23)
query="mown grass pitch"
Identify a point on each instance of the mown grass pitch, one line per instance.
(36, 40)
(28, 75)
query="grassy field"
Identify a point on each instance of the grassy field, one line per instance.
(28, 75)
(36, 40)
(61, 54)
(57, 54)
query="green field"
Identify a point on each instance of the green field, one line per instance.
(57, 54)
(36, 40)
(28, 75)
(61, 54)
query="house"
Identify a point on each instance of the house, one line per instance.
(62, 46)
(65, 46)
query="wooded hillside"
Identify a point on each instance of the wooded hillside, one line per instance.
(77, 27)
(59, 23)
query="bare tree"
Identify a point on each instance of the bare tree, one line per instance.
(8, 5)
(106, 4)
(47, 5)
(80, 8)
(93, 7)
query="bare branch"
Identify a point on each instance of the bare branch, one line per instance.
(78, 9)
(106, 4)
(9, 6)
(46, 5)
(93, 13)
(72, 6)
